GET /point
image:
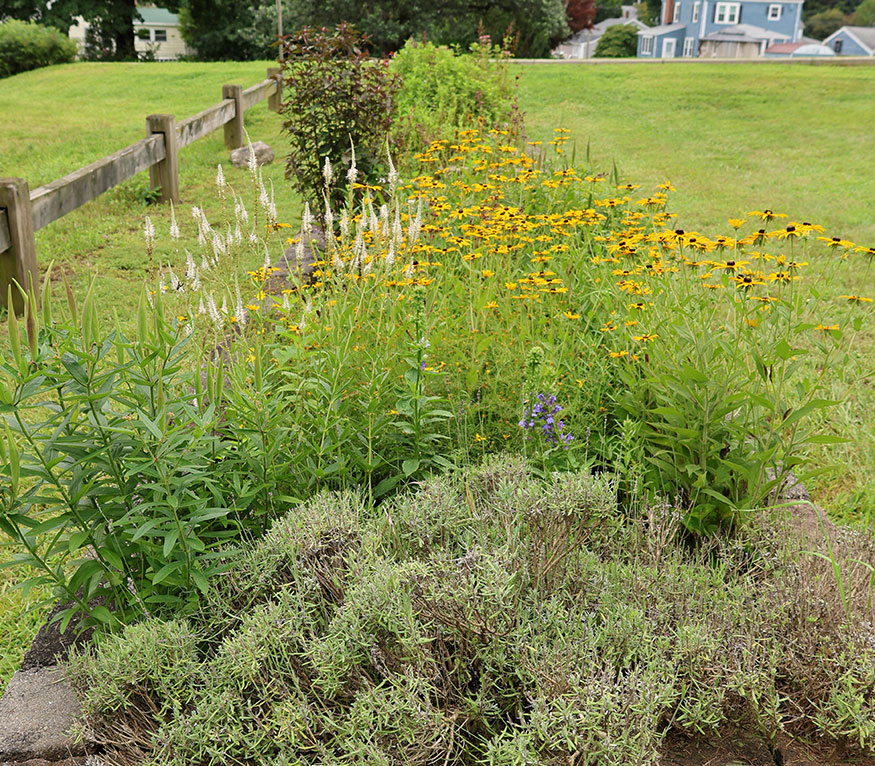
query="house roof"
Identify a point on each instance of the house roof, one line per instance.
(662, 29)
(800, 49)
(863, 35)
(785, 48)
(744, 33)
(157, 17)
(598, 30)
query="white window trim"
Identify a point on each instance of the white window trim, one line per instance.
(696, 7)
(677, 13)
(647, 45)
(689, 46)
(730, 13)
(669, 41)
(774, 12)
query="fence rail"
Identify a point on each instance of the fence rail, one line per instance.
(22, 212)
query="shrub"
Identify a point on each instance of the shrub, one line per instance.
(489, 617)
(338, 100)
(443, 91)
(618, 41)
(26, 45)
(119, 478)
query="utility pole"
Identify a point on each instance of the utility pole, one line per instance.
(279, 26)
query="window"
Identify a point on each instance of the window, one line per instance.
(143, 34)
(696, 7)
(837, 46)
(647, 45)
(774, 12)
(677, 13)
(689, 47)
(726, 13)
(160, 35)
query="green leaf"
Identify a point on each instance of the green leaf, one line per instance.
(76, 540)
(200, 580)
(386, 485)
(168, 569)
(783, 350)
(410, 467)
(102, 614)
(827, 439)
(170, 541)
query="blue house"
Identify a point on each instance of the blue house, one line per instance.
(852, 41)
(714, 28)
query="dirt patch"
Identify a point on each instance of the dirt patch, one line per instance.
(742, 748)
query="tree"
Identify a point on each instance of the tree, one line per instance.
(231, 29)
(864, 16)
(580, 14)
(822, 25)
(111, 33)
(618, 41)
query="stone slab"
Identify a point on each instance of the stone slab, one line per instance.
(37, 710)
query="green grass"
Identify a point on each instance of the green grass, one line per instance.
(103, 108)
(731, 138)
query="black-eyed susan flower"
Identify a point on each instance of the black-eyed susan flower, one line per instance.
(646, 337)
(746, 281)
(571, 315)
(856, 299)
(827, 328)
(767, 215)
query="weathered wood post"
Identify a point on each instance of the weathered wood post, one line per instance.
(275, 100)
(165, 174)
(18, 260)
(234, 128)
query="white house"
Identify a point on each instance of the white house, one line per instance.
(583, 44)
(156, 35)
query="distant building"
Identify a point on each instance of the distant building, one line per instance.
(156, 36)
(710, 28)
(852, 41)
(583, 44)
(804, 47)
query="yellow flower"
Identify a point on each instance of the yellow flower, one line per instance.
(856, 299)
(827, 328)
(570, 315)
(666, 186)
(492, 305)
(510, 285)
(487, 273)
(648, 336)
(617, 354)
(608, 327)
(767, 215)
(737, 223)
(479, 438)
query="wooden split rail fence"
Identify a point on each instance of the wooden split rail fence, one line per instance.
(22, 212)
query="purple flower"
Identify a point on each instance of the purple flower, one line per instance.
(543, 412)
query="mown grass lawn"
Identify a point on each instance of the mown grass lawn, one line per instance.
(730, 138)
(56, 120)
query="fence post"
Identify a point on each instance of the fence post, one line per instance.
(234, 128)
(165, 174)
(275, 100)
(19, 260)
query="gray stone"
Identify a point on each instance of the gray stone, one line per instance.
(37, 710)
(263, 155)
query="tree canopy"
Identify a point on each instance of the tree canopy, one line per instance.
(618, 41)
(230, 29)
